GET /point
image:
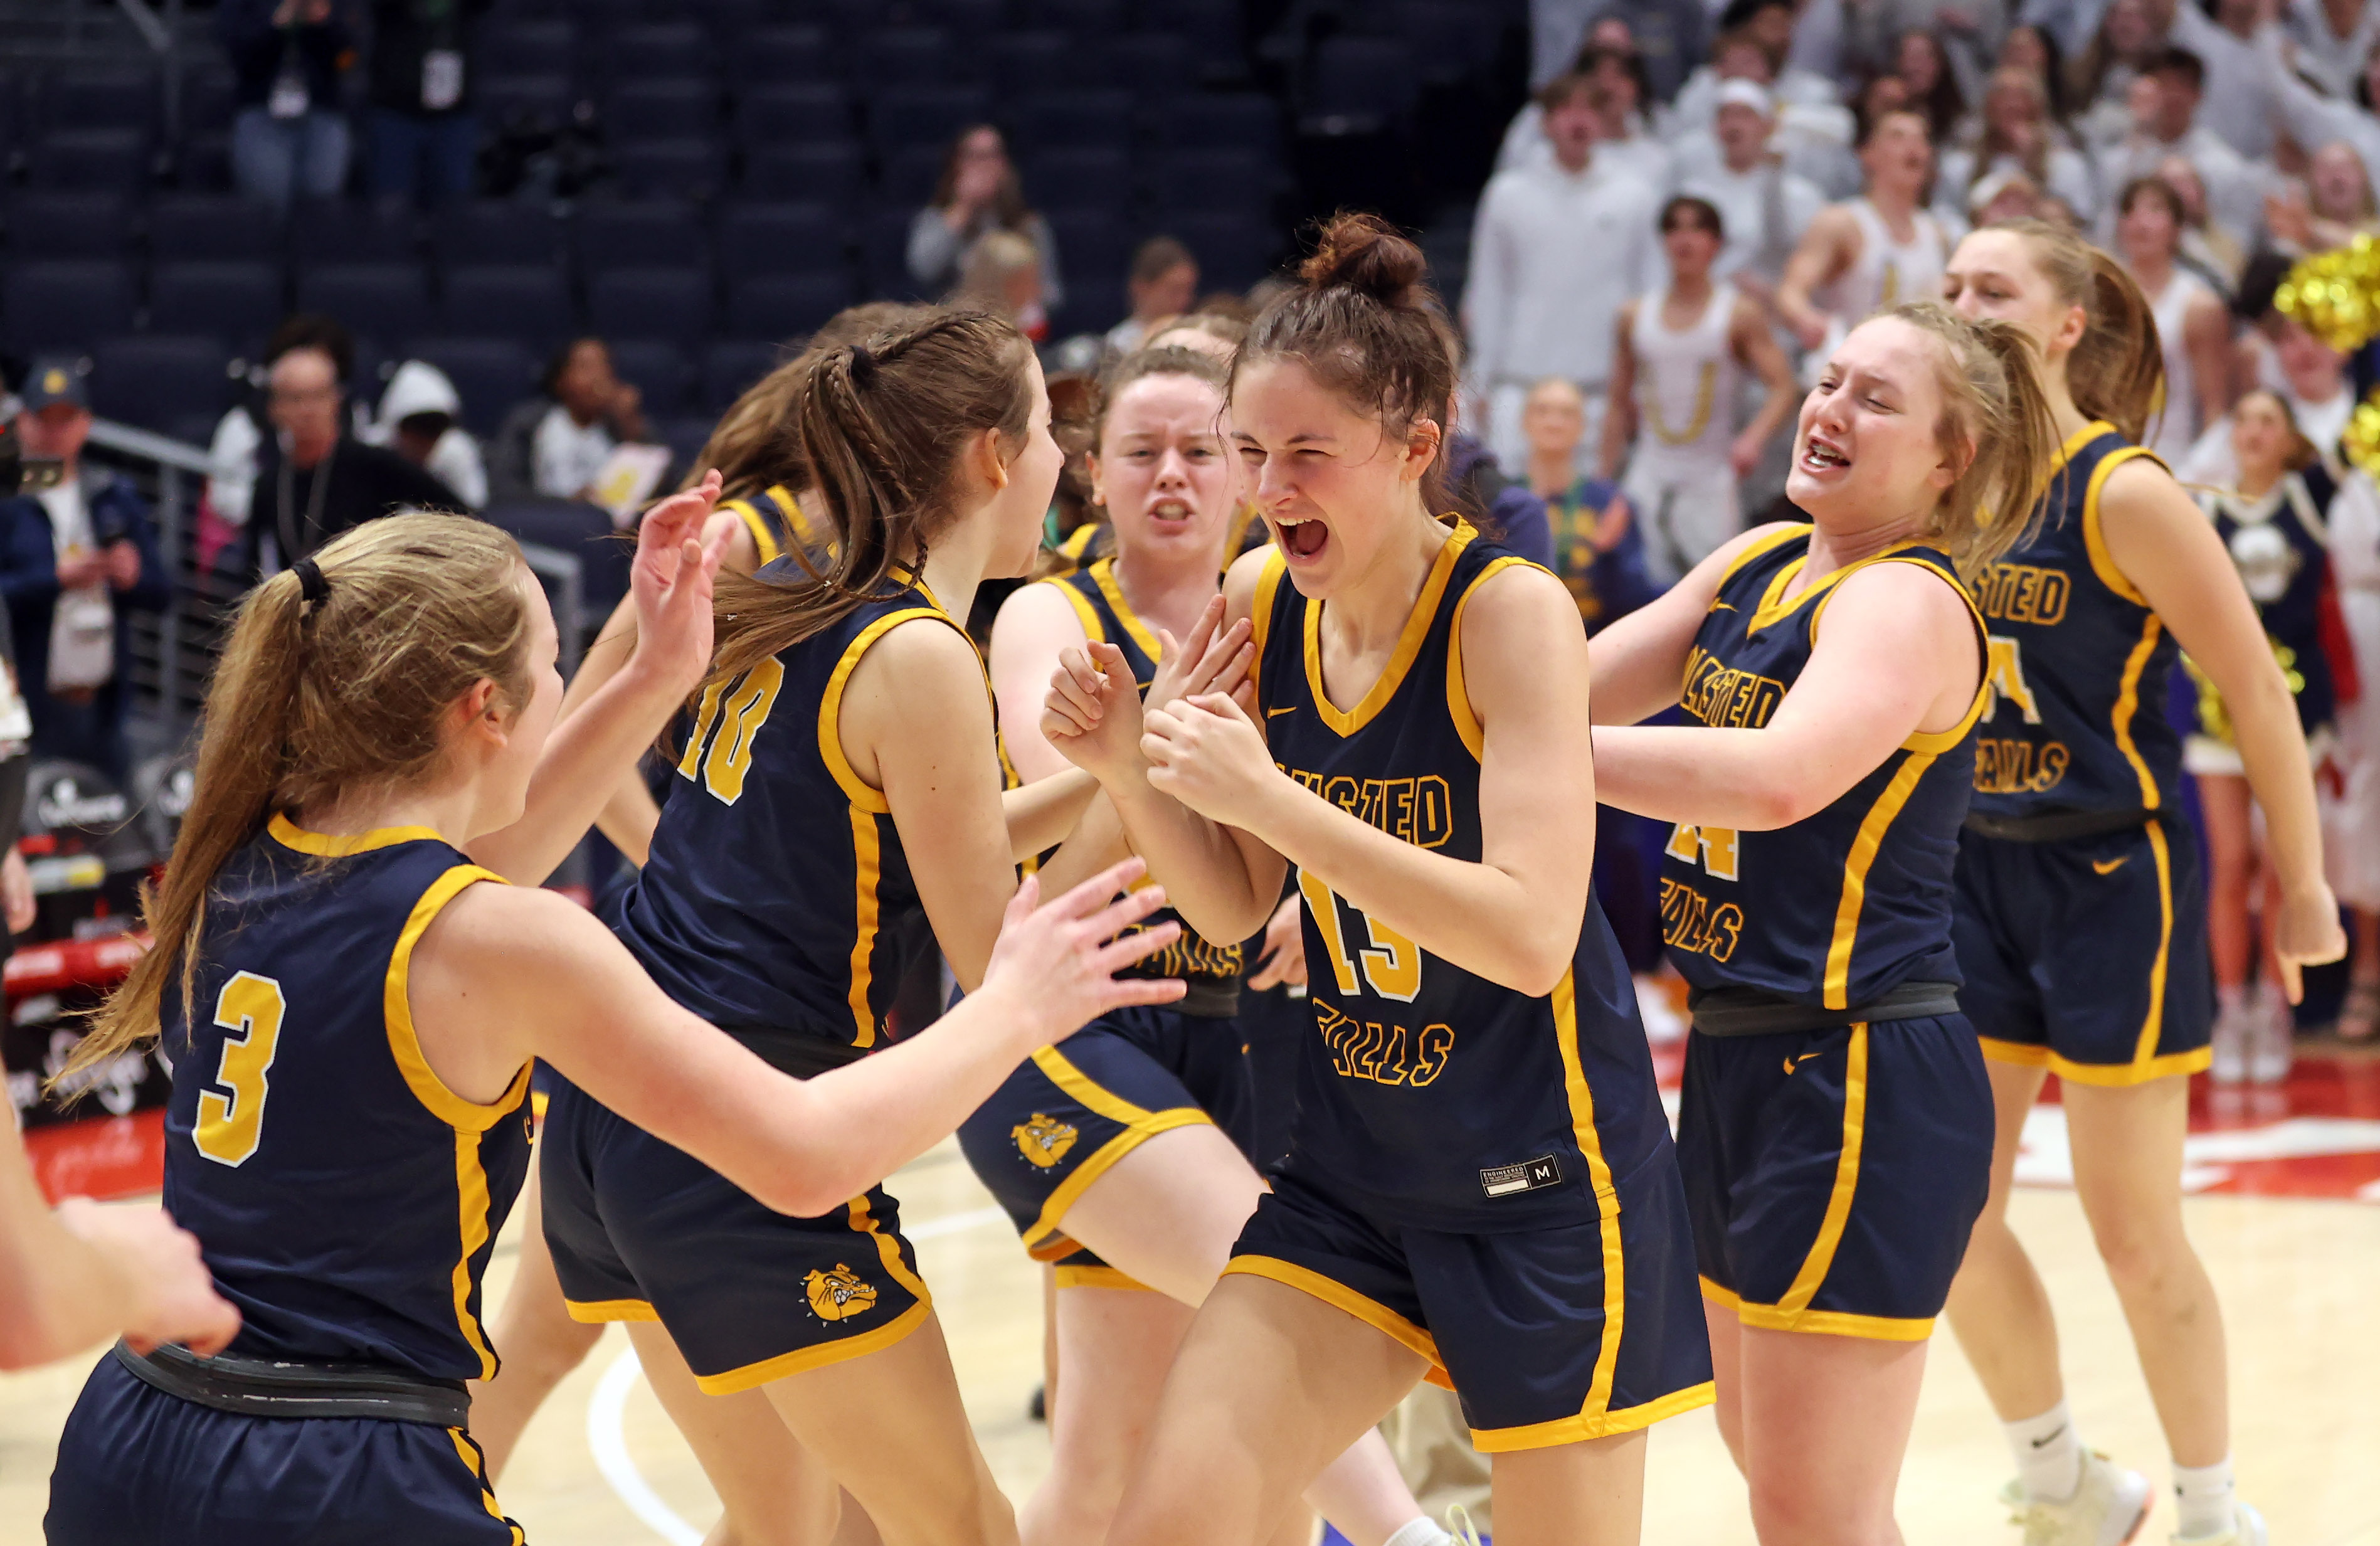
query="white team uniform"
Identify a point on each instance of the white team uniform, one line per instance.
(1688, 387)
(2172, 436)
(1885, 274)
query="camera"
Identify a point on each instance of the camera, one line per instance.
(22, 474)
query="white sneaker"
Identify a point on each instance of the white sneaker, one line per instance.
(1663, 1023)
(2272, 1038)
(2230, 1065)
(1459, 1527)
(2247, 1530)
(2108, 1507)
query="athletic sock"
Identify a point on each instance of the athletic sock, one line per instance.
(2204, 1503)
(2049, 1455)
(2229, 1001)
(1420, 1530)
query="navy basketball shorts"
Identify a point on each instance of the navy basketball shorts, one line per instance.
(1833, 1175)
(139, 1467)
(642, 1231)
(2088, 958)
(1070, 1112)
(1549, 1336)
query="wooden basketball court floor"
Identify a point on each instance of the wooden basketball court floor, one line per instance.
(2287, 1215)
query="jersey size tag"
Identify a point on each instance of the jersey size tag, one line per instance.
(1529, 1175)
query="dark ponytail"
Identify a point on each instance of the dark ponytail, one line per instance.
(880, 426)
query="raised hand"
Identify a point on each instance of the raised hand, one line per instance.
(1092, 715)
(1056, 964)
(1212, 660)
(1208, 754)
(167, 1293)
(672, 583)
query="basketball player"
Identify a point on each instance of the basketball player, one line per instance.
(1481, 1187)
(2082, 915)
(1871, 252)
(1836, 1129)
(378, 705)
(1679, 359)
(2192, 328)
(1126, 1158)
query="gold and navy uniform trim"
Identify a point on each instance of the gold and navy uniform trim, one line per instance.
(776, 522)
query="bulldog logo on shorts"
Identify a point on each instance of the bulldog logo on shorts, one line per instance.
(840, 1294)
(1044, 1140)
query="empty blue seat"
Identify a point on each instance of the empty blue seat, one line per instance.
(1233, 251)
(1026, 63)
(1223, 121)
(1360, 85)
(672, 168)
(206, 106)
(1092, 244)
(1090, 17)
(674, 108)
(666, 303)
(967, 20)
(658, 232)
(785, 306)
(1157, 64)
(1206, 182)
(69, 307)
(103, 97)
(826, 172)
(525, 46)
(903, 116)
(202, 163)
(528, 304)
(903, 56)
(764, 56)
(154, 381)
(884, 256)
(756, 238)
(489, 375)
(655, 49)
(43, 226)
(523, 99)
(387, 302)
(115, 160)
(1217, 33)
(910, 174)
(725, 19)
(486, 231)
(686, 436)
(1080, 180)
(212, 227)
(658, 370)
(235, 303)
(1073, 120)
(731, 366)
(772, 115)
(343, 231)
(1448, 40)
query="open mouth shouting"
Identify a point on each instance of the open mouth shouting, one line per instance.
(1301, 537)
(1821, 456)
(1170, 514)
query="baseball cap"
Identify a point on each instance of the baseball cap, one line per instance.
(54, 378)
(1745, 93)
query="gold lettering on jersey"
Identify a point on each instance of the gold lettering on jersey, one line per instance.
(1382, 1054)
(1416, 811)
(2006, 766)
(1712, 847)
(2004, 680)
(1720, 695)
(2025, 593)
(1689, 923)
(1044, 1140)
(838, 1295)
(1189, 957)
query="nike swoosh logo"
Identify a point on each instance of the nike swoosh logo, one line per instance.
(1722, 606)
(1276, 714)
(1793, 1062)
(2107, 866)
(2042, 1443)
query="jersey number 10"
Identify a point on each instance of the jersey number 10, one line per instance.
(1392, 965)
(737, 710)
(249, 1011)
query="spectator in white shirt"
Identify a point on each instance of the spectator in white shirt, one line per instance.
(1162, 283)
(1763, 25)
(2165, 124)
(1555, 251)
(553, 446)
(1762, 207)
(2333, 41)
(419, 419)
(1870, 252)
(2232, 47)
(2129, 39)
(2312, 118)
(1620, 134)
(2015, 134)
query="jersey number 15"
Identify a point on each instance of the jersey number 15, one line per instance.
(1392, 965)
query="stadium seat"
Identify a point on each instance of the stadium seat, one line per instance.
(202, 163)
(47, 225)
(828, 172)
(1090, 179)
(758, 238)
(206, 106)
(910, 176)
(489, 375)
(101, 98)
(349, 231)
(1092, 244)
(901, 57)
(1233, 251)
(212, 227)
(65, 306)
(686, 436)
(884, 256)
(1213, 182)
(661, 108)
(489, 231)
(900, 117)
(91, 160)
(1222, 121)
(666, 303)
(522, 99)
(654, 49)
(1217, 33)
(527, 46)
(765, 56)
(1448, 41)
(778, 308)
(659, 233)
(969, 21)
(1087, 17)
(527, 303)
(1074, 121)
(151, 382)
(773, 116)
(732, 365)
(387, 302)
(1028, 64)
(235, 303)
(1157, 66)
(659, 373)
(1360, 85)
(727, 18)
(672, 168)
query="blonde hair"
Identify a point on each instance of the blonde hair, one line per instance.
(1996, 427)
(995, 257)
(2117, 371)
(315, 701)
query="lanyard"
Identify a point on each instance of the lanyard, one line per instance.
(291, 547)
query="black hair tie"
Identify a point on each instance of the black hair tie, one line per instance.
(311, 586)
(863, 366)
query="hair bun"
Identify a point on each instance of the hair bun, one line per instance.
(1365, 253)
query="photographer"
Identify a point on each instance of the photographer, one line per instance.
(74, 559)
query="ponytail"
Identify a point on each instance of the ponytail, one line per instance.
(2117, 373)
(1997, 425)
(878, 425)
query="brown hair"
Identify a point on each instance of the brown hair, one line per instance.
(311, 702)
(2154, 186)
(1995, 425)
(1364, 323)
(1990, 145)
(752, 445)
(1558, 91)
(1009, 209)
(1155, 258)
(1141, 364)
(2117, 371)
(1214, 324)
(880, 425)
(2302, 452)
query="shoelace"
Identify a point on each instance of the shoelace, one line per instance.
(1458, 1523)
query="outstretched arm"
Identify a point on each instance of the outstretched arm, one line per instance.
(1827, 249)
(1757, 346)
(1638, 662)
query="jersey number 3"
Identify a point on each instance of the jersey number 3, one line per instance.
(737, 710)
(1393, 966)
(249, 1011)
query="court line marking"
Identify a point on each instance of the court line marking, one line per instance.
(607, 1438)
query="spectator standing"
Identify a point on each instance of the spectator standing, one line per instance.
(2232, 46)
(1002, 276)
(288, 136)
(1668, 35)
(1969, 33)
(1162, 283)
(2334, 42)
(1535, 308)
(419, 417)
(1870, 252)
(77, 559)
(2165, 122)
(239, 434)
(1934, 89)
(2193, 327)
(314, 479)
(1621, 140)
(1764, 208)
(2334, 207)
(2351, 841)
(2281, 357)
(2312, 118)
(979, 192)
(2128, 42)
(554, 445)
(2015, 133)
(1599, 549)
(1680, 358)
(425, 136)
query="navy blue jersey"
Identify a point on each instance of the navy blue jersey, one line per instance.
(776, 523)
(346, 1199)
(2080, 664)
(2280, 544)
(1095, 540)
(1099, 605)
(767, 899)
(1430, 1096)
(1855, 900)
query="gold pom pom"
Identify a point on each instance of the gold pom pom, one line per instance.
(2361, 439)
(2336, 295)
